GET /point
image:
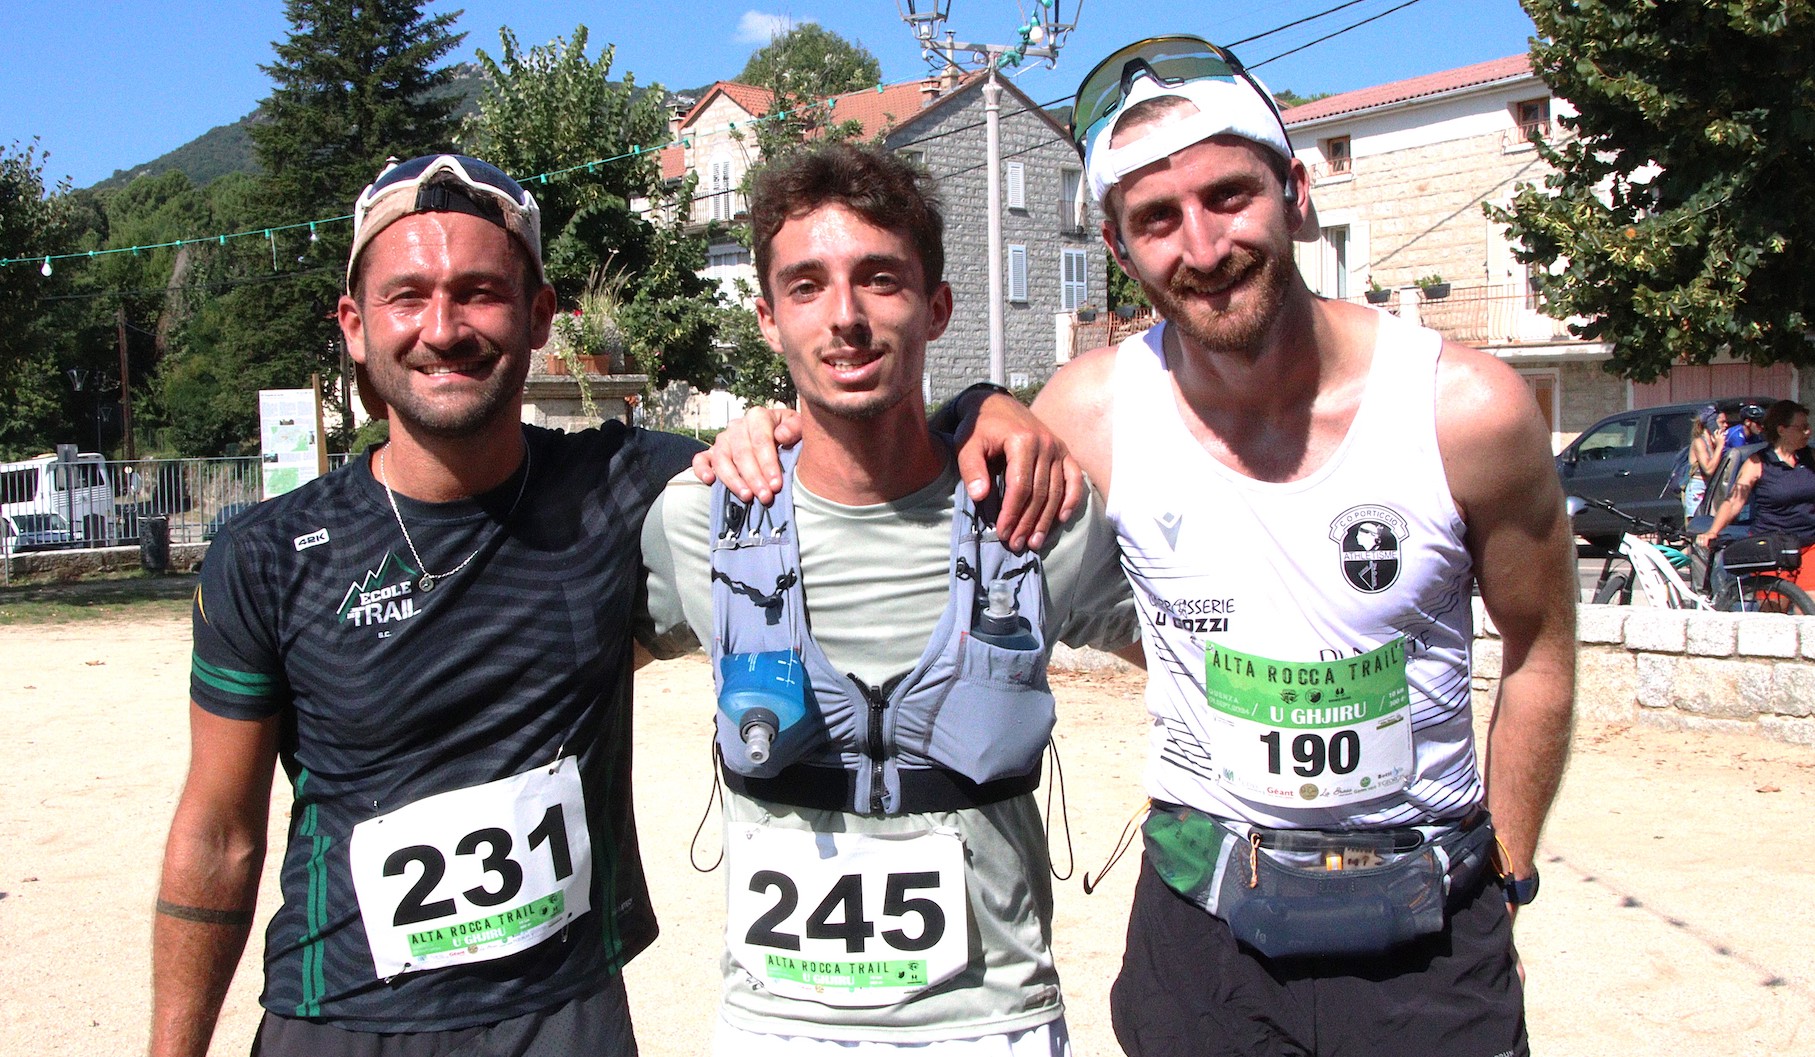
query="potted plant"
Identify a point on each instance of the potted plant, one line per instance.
(1377, 294)
(1432, 287)
(1086, 313)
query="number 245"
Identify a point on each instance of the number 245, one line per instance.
(846, 900)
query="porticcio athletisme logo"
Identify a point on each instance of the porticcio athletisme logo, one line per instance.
(383, 596)
(1368, 540)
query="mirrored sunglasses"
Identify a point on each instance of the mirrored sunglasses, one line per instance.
(474, 174)
(1172, 61)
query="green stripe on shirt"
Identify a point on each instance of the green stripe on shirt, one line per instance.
(240, 684)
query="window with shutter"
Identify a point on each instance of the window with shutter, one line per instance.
(1017, 274)
(1074, 279)
(1014, 179)
(1071, 201)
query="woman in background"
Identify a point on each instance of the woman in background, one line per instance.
(1706, 444)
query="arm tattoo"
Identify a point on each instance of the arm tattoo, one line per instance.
(204, 915)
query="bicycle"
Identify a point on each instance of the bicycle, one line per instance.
(1755, 580)
(1658, 569)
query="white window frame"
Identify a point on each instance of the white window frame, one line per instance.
(1071, 201)
(1074, 279)
(1017, 273)
(720, 178)
(1014, 184)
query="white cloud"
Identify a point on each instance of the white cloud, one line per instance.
(757, 28)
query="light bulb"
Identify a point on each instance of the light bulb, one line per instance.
(1037, 33)
(314, 236)
(45, 271)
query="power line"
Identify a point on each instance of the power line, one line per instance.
(640, 151)
(1338, 33)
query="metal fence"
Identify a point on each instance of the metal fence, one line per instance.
(195, 497)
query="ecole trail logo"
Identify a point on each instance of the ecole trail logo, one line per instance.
(1368, 540)
(383, 596)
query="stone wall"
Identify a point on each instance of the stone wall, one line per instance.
(1748, 673)
(951, 145)
(1422, 206)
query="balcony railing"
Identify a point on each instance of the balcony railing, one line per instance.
(1481, 315)
(1109, 328)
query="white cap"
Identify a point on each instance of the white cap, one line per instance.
(1228, 106)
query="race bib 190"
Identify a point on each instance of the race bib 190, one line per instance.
(474, 874)
(1310, 733)
(846, 919)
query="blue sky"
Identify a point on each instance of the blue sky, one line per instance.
(109, 85)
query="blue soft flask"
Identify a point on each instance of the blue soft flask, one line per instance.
(1001, 623)
(763, 695)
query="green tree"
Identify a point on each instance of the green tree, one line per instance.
(33, 393)
(551, 110)
(753, 371)
(672, 318)
(804, 68)
(355, 82)
(1676, 219)
(807, 56)
(240, 319)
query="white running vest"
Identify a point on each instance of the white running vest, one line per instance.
(1265, 607)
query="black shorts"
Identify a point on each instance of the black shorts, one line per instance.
(1187, 988)
(596, 1025)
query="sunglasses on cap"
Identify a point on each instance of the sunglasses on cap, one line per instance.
(452, 183)
(471, 173)
(1171, 61)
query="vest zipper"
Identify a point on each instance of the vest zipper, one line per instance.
(873, 744)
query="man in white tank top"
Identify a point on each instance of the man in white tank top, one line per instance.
(1305, 492)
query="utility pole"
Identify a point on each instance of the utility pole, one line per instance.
(1041, 37)
(126, 452)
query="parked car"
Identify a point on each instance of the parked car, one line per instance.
(222, 516)
(1626, 460)
(36, 532)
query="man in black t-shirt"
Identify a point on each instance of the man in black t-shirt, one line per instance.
(435, 643)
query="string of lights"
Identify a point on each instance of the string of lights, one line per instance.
(270, 232)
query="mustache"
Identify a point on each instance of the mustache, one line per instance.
(474, 347)
(1188, 280)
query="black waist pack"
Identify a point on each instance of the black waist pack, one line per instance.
(1305, 893)
(1762, 553)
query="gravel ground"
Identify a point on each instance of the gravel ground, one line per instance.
(1673, 916)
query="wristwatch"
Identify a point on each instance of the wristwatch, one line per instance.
(1520, 890)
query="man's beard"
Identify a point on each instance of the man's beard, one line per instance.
(1243, 326)
(471, 413)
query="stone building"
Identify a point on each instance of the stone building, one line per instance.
(1053, 258)
(1400, 174)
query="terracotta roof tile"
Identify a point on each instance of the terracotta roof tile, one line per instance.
(674, 163)
(755, 101)
(1412, 88)
(892, 105)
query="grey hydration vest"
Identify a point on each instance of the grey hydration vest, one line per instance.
(965, 726)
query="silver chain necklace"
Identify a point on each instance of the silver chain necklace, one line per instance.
(426, 582)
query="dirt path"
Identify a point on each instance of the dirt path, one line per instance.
(1673, 918)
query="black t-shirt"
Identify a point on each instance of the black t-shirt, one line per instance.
(1783, 500)
(310, 609)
